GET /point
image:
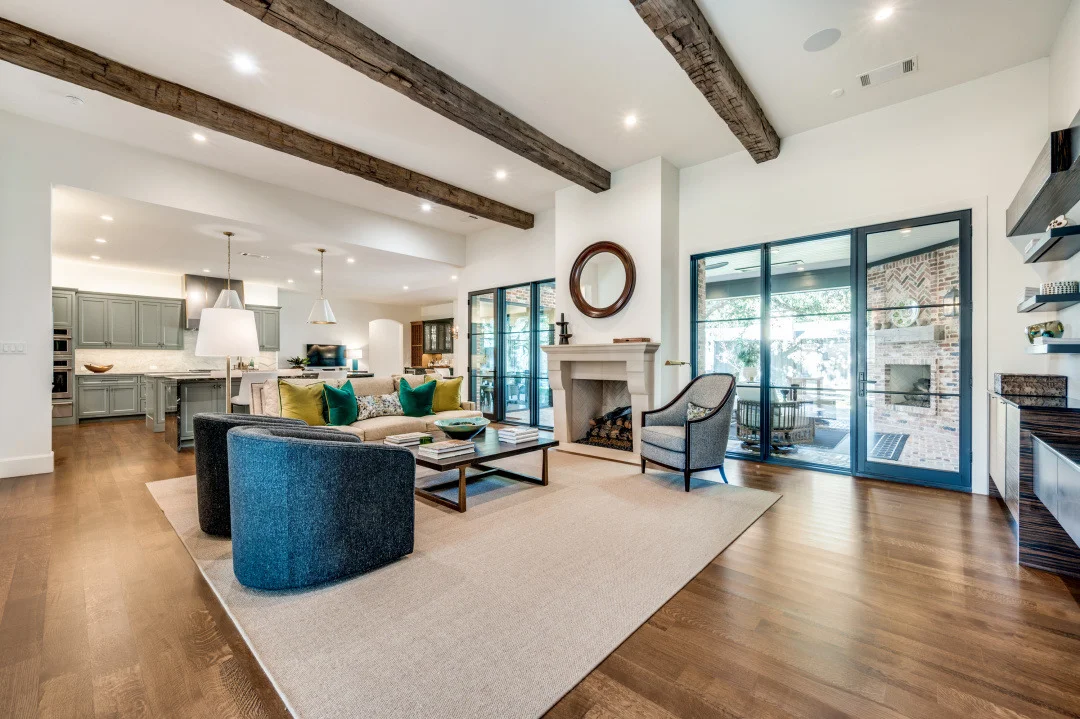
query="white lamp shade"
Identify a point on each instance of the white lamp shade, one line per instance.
(355, 353)
(230, 300)
(321, 314)
(226, 333)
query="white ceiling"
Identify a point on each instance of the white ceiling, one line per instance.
(571, 68)
(153, 238)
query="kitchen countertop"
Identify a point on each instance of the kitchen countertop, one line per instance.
(1025, 401)
(1067, 446)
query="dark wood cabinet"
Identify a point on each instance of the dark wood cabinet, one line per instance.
(438, 336)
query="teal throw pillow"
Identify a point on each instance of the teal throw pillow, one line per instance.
(416, 402)
(340, 404)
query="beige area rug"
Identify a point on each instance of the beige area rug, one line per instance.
(499, 611)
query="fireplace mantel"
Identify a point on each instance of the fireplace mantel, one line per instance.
(630, 362)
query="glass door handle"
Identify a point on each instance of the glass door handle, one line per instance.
(863, 382)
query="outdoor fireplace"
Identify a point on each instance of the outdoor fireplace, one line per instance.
(908, 384)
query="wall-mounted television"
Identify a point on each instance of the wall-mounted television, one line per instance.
(326, 355)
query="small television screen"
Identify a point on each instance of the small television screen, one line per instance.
(326, 355)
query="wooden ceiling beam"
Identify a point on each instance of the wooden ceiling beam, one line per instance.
(329, 30)
(50, 56)
(682, 28)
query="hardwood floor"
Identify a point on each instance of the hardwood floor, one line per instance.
(848, 598)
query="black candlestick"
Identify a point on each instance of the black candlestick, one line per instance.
(564, 336)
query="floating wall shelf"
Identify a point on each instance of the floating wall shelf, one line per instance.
(1048, 303)
(1060, 243)
(1054, 349)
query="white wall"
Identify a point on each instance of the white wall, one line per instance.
(1065, 71)
(968, 147)
(37, 156)
(351, 329)
(438, 312)
(499, 257)
(382, 357)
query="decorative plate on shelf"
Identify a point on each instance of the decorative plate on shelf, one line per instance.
(907, 315)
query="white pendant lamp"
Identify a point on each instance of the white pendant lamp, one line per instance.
(321, 314)
(228, 299)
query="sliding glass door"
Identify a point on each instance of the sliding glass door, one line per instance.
(851, 351)
(508, 376)
(915, 359)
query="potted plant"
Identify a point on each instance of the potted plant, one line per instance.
(298, 362)
(748, 356)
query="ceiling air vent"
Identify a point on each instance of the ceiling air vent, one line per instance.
(889, 72)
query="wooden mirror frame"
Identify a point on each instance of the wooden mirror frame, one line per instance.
(579, 266)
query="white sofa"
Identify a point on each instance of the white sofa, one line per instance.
(265, 400)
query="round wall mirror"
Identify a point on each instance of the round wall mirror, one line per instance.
(602, 279)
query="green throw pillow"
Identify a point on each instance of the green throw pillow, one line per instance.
(447, 394)
(416, 402)
(304, 402)
(340, 404)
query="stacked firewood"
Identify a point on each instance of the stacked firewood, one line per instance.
(615, 427)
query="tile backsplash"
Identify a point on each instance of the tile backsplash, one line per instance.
(135, 361)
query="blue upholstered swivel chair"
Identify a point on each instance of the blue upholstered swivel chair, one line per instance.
(212, 463)
(313, 505)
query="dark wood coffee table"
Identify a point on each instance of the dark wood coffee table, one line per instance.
(488, 447)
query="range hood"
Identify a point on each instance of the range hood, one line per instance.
(1052, 186)
(200, 292)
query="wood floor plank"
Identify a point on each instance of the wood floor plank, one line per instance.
(849, 598)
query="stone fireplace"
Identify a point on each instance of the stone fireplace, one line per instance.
(589, 381)
(908, 384)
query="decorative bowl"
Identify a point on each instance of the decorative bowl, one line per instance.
(462, 427)
(98, 368)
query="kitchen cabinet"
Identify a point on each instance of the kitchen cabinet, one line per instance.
(1005, 452)
(111, 396)
(161, 324)
(106, 321)
(438, 336)
(267, 327)
(63, 308)
(198, 396)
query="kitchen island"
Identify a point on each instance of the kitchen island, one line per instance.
(194, 392)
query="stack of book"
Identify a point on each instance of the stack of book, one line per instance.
(446, 448)
(405, 440)
(516, 435)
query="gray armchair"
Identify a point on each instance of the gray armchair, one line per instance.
(670, 440)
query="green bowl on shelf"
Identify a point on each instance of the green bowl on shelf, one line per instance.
(462, 427)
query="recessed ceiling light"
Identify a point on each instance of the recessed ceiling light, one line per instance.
(100, 240)
(630, 121)
(905, 231)
(107, 218)
(500, 175)
(425, 207)
(350, 260)
(94, 257)
(244, 64)
(289, 281)
(198, 137)
(74, 100)
(206, 269)
(318, 272)
(453, 277)
(883, 14)
(404, 287)
(821, 40)
(838, 92)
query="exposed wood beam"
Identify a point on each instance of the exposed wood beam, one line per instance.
(36, 51)
(685, 32)
(342, 37)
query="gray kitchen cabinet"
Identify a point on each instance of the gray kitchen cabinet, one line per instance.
(170, 395)
(93, 400)
(267, 327)
(63, 307)
(160, 324)
(108, 396)
(107, 321)
(93, 321)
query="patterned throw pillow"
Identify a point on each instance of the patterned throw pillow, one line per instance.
(693, 411)
(378, 405)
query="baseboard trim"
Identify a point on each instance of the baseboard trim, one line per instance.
(22, 466)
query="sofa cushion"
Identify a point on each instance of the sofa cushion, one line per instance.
(447, 394)
(271, 396)
(416, 401)
(412, 379)
(303, 402)
(341, 407)
(429, 420)
(666, 437)
(372, 385)
(378, 405)
(378, 427)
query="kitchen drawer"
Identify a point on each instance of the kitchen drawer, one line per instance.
(111, 380)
